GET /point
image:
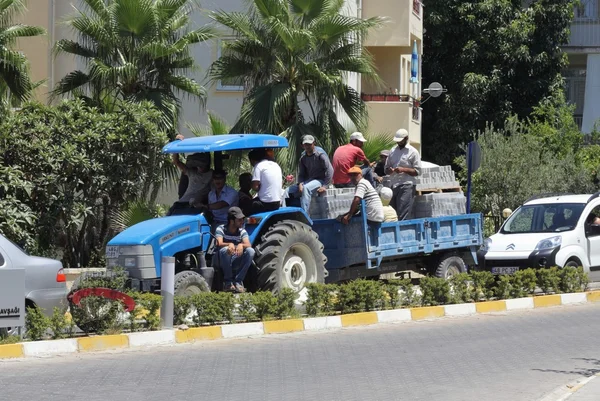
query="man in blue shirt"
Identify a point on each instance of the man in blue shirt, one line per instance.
(235, 250)
(221, 198)
(314, 172)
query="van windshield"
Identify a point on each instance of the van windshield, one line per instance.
(551, 217)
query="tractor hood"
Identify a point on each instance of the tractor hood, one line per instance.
(163, 228)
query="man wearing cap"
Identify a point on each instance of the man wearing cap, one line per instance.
(195, 198)
(314, 172)
(347, 156)
(404, 161)
(379, 166)
(235, 251)
(221, 198)
(364, 190)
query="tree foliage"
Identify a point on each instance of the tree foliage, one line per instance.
(73, 167)
(15, 83)
(497, 58)
(292, 52)
(134, 50)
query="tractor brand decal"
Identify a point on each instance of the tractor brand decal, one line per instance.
(270, 142)
(7, 313)
(174, 234)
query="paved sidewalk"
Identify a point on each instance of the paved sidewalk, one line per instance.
(588, 392)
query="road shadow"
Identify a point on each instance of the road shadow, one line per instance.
(591, 370)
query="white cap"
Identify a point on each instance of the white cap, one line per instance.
(400, 135)
(357, 136)
(385, 194)
(308, 139)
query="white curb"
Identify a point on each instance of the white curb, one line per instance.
(322, 323)
(460, 309)
(151, 338)
(574, 298)
(396, 315)
(519, 303)
(50, 347)
(242, 330)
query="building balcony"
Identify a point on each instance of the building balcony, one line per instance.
(390, 112)
(405, 22)
(585, 34)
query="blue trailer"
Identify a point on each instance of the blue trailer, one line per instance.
(292, 250)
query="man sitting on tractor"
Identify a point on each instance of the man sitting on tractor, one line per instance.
(235, 250)
(195, 198)
(267, 181)
(221, 198)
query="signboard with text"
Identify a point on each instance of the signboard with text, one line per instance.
(12, 297)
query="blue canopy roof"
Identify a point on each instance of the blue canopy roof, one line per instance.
(219, 143)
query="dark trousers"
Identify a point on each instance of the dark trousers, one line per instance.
(259, 206)
(367, 173)
(402, 200)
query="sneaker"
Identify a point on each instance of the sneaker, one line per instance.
(239, 288)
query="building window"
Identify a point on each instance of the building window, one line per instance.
(586, 10)
(575, 88)
(232, 85)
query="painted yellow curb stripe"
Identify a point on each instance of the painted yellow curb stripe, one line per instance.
(359, 319)
(490, 306)
(546, 300)
(11, 351)
(103, 342)
(283, 326)
(198, 334)
(427, 312)
(593, 296)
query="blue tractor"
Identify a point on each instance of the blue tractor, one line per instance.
(292, 249)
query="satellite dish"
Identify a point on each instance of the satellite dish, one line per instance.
(435, 89)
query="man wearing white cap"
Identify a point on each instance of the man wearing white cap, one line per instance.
(346, 157)
(314, 172)
(405, 161)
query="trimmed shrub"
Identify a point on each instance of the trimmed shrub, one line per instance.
(286, 304)
(212, 307)
(504, 287)
(483, 285)
(246, 308)
(36, 323)
(435, 291)
(460, 288)
(573, 279)
(360, 295)
(549, 280)
(265, 305)
(321, 299)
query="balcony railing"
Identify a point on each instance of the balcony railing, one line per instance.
(579, 121)
(585, 29)
(384, 97)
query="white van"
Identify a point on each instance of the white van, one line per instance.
(544, 232)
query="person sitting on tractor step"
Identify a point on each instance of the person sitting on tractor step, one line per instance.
(195, 198)
(364, 190)
(244, 196)
(347, 156)
(314, 173)
(405, 161)
(389, 213)
(221, 198)
(235, 250)
(379, 166)
(267, 181)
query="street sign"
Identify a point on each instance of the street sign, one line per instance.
(12, 297)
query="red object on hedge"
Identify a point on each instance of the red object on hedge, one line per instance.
(108, 293)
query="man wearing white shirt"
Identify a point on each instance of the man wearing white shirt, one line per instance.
(405, 161)
(267, 181)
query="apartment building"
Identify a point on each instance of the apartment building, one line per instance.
(582, 77)
(391, 106)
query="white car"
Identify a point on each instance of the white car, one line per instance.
(544, 232)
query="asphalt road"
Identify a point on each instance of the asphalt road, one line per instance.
(510, 356)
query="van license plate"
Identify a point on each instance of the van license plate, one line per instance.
(112, 252)
(504, 270)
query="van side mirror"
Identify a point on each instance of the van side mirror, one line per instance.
(593, 230)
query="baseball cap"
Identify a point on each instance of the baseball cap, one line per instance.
(308, 139)
(355, 170)
(400, 135)
(357, 136)
(386, 195)
(385, 153)
(235, 212)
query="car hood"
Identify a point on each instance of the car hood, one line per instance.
(143, 233)
(516, 242)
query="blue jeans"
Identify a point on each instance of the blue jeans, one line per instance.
(230, 263)
(309, 188)
(367, 173)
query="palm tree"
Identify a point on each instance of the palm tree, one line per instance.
(289, 52)
(134, 50)
(15, 83)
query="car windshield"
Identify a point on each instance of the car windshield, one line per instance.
(550, 217)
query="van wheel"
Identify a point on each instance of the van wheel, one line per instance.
(449, 266)
(573, 263)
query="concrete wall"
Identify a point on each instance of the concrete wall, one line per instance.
(402, 22)
(391, 116)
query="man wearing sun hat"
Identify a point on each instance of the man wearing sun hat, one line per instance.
(404, 161)
(364, 191)
(347, 156)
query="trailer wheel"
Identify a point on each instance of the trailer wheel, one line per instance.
(289, 255)
(449, 266)
(189, 283)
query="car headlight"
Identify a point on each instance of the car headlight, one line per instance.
(486, 245)
(549, 243)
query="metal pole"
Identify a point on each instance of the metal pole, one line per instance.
(167, 290)
(469, 163)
